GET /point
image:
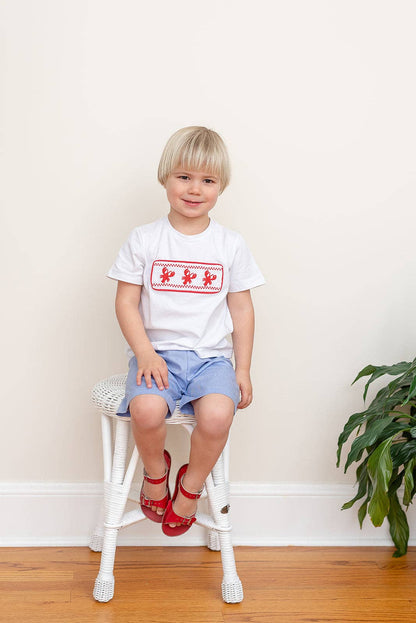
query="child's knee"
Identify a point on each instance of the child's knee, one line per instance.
(148, 411)
(216, 421)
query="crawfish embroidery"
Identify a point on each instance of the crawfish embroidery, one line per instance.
(166, 274)
(188, 276)
(209, 278)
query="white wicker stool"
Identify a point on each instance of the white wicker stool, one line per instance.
(118, 476)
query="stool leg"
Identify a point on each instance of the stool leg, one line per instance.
(97, 537)
(115, 497)
(231, 587)
(218, 494)
(213, 541)
(223, 477)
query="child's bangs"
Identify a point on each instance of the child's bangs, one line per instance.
(206, 165)
(201, 157)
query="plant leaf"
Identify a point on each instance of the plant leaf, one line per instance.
(377, 371)
(368, 438)
(362, 479)
(412, 392)
(362, 512)
(399, 527)
(409, 482)
(365, 372)
(402, 452)
(385, 401)
(393, 430)
(357, 419)
(380, 468)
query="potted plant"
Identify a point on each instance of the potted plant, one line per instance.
(385, 450)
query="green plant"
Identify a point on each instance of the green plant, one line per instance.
(388, 444)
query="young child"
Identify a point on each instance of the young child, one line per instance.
(183, 286)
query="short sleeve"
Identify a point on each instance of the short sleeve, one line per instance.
(244, 272)
(129, 264)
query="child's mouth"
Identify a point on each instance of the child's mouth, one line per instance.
(192, 203)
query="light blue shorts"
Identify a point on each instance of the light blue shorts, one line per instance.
(190, 377)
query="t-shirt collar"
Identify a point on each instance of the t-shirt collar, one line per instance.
(189, 237)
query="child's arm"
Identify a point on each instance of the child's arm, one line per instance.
(131, 324)
(242, 314)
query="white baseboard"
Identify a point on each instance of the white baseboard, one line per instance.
(65, 514)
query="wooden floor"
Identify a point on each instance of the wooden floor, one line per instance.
(182, 585)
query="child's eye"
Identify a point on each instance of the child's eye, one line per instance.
(183, 177)
(209, 181)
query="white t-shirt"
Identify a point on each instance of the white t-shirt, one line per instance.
(185, 281)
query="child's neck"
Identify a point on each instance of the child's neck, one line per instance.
(187, 226)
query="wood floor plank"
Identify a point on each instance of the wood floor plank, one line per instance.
(24, 574)
(35, 596)
(108, 613)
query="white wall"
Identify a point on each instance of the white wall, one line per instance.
(316, 102)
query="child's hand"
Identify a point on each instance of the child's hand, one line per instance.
(246, 388)
(151, 364)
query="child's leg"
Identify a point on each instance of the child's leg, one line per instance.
(148, 413)
(214, 415)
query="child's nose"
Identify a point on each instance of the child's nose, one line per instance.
(195, 187)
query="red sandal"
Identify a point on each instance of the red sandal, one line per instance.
(170, 516)
(146, 503)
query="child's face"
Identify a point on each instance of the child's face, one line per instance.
(192, 194)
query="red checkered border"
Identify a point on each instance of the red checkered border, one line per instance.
(183, 276)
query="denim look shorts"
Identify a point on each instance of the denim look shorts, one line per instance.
(190, 377)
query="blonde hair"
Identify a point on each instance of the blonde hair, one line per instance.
(195, 148)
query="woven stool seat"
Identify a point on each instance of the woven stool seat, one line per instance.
(107, 395)
(118, 476)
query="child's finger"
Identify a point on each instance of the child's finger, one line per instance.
(158, 380)
(139, 376)
(241, 404)
(148, 378)
(246, 397)
(165, 377)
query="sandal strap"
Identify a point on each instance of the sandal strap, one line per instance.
(172, 517)
(188, 494)
(145, 501)
(155, 481)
